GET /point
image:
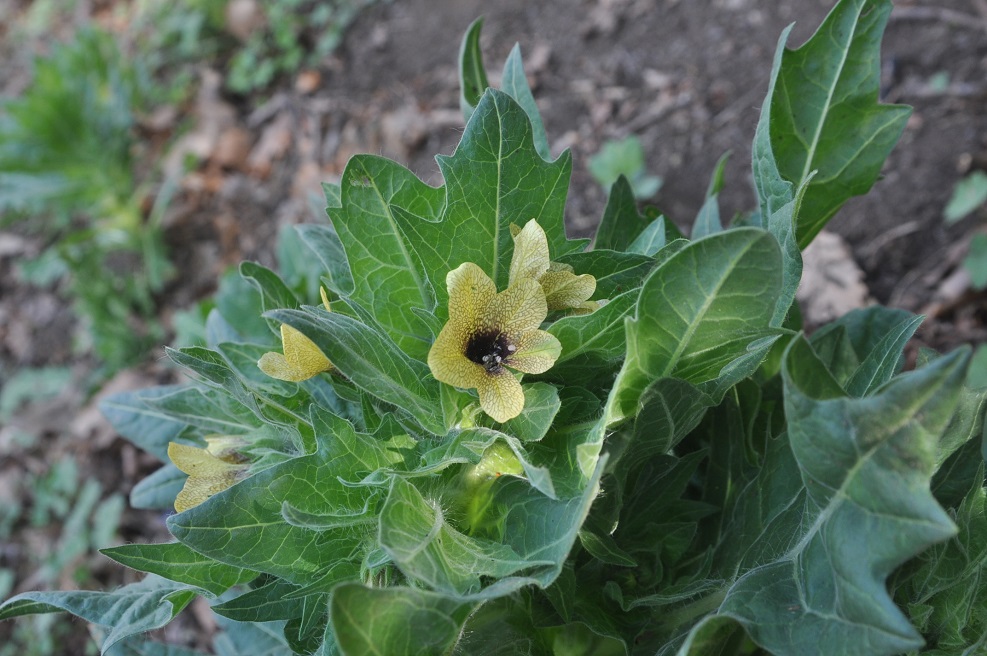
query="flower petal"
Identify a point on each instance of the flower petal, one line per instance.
(530, 259)
(564, 289)
(207, 474)
(302, 359)
(518, 309)
(501, 395)
(536, 352)
(301, 353)
(470, 292)
(447, 358)
(274, 365)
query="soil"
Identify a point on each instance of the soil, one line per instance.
(686, 77)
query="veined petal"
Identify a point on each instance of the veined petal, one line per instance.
(536, 352)
(301, 353)
(501, 395)
(530, 259)
(518, 309)
(564, 289)
(207, 474)
(302, 359)
(470, 292)
(447, 358)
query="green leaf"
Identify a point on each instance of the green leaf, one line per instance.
(144, 647)
(396, 621)
(621, 223)
(178, 563)
(652, 239)
(864, 347)
(615, 272)
(323, 241)
(158, 491)
(514, 83)
(779, 199)
(945, 589)
(149, 428)
(698, 312)
(541, 404)
(600, 333)
(716, 634)
(240, 305)
(260, 639)
(229, 526)
(276, 600)
(473, 82)
(825, 115)
(388, 276)
(495, 178)
(603, 548)
(133, 609)
(416, 535)
(373, 362)
(708, 220)
(976, 260)
(669, 409)
(208, 409)
(717, 179)
(969, 194)
(472, 74)
(624, 158)
(884, 360)
(816, 577)
(274, 294)
(333, 194)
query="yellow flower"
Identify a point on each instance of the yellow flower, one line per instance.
(302, 359)
(210, 470)
(564, 290)
(488, 333)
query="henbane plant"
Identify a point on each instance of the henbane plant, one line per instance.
(469, 455)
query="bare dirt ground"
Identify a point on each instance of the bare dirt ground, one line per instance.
(687, 77)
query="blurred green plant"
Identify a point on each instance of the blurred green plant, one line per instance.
(969, 194)
(67, 155)
(176, 38)
(31, 384)
(74, 511)
(297, 33)
(624, 157)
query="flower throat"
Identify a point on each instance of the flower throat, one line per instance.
(489, 349)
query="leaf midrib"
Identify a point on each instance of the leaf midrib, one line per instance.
(690, 331)
(810, 155)
(409, 263)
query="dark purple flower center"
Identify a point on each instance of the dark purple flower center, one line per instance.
(489, 348)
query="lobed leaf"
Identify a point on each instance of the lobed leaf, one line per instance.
(816, 578)
(388, 277)
(827, 129)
